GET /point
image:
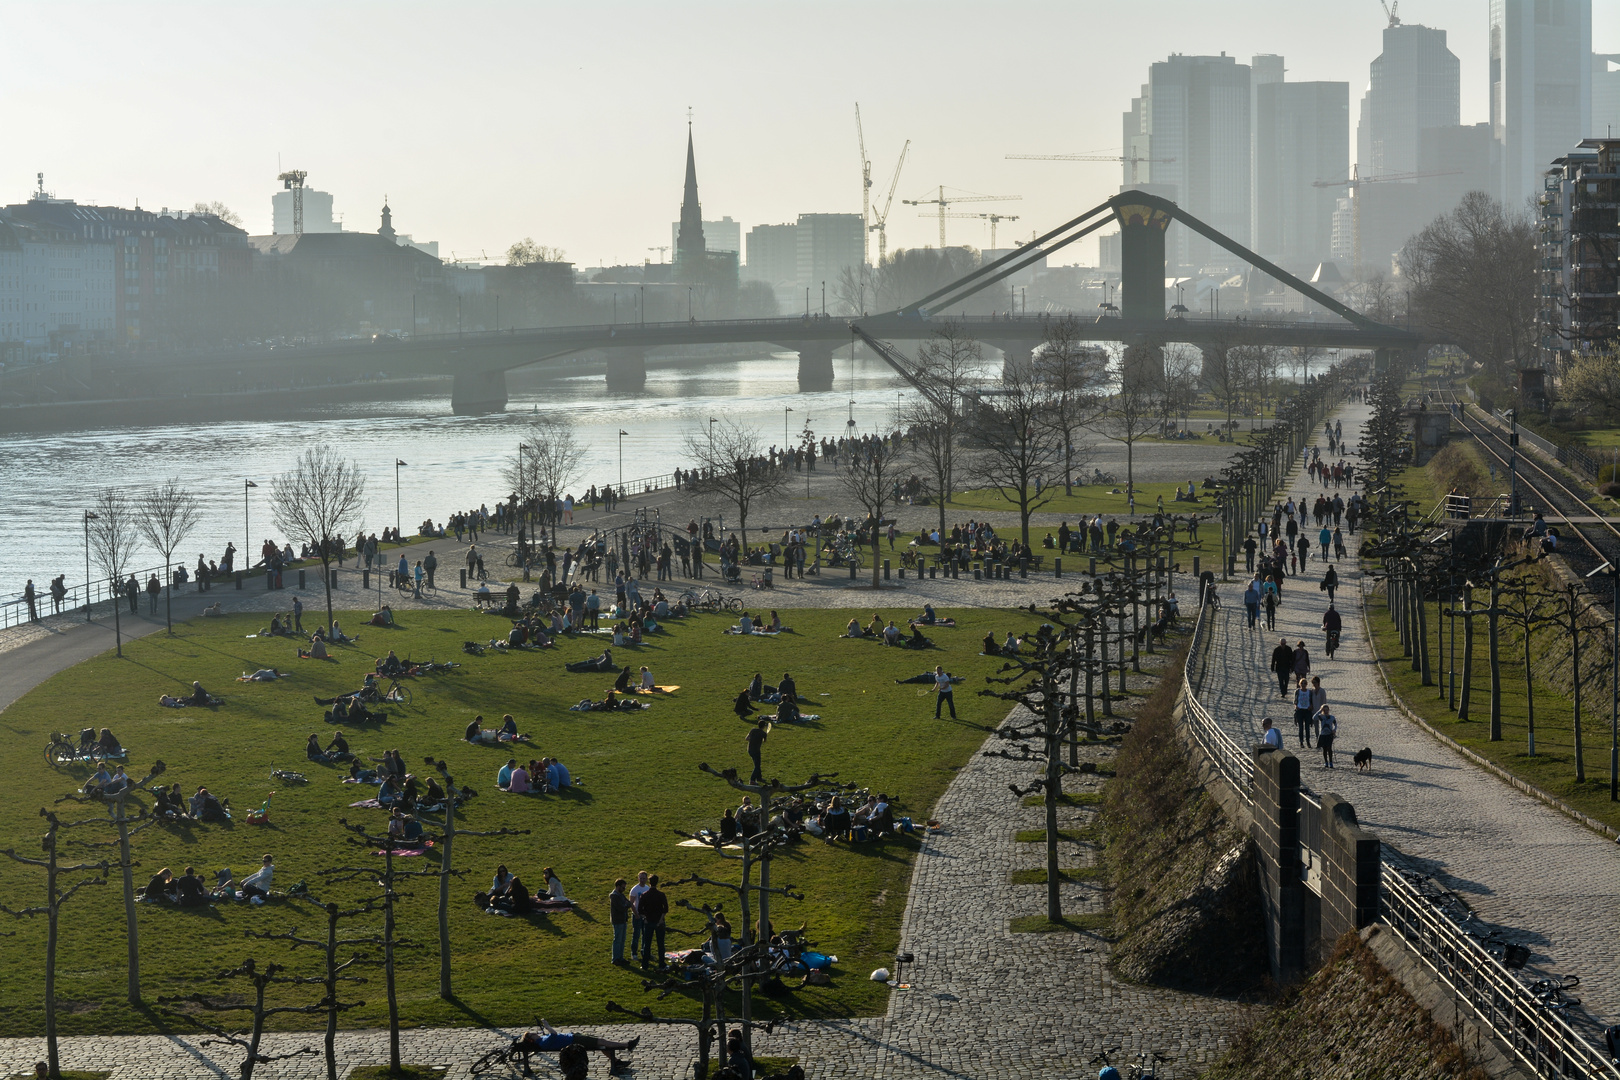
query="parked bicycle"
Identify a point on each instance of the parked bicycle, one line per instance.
(62, 751)
(1146, 1062)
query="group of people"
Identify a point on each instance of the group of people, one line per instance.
(509, 893)
(542, 776)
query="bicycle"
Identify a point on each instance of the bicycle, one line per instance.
(288, 776)
(397, 692)
(514, 1055)
(1143, 1069)
(62, 751)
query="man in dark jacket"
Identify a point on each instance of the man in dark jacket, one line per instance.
(1282, 665)
(652, 907)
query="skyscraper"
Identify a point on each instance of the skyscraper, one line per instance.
(1541, 87)
(1301, 135)
(1195, 110)
(1605, 95)
(1414, 85)
(1264, 70)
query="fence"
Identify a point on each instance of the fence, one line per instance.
(102, 590)
(1542, 1042)
(1564, 453)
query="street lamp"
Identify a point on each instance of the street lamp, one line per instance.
(88, 518)
(823, 299)
(247, 526)
(622, 434)
(785, 438)
(398, 464)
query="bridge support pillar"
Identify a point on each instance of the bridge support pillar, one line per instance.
(1382, 359)
(815, 365)
(1141, 255)
(1017, 357)
(475, 392)
(626, 370)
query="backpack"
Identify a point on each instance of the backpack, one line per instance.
(574, 1061)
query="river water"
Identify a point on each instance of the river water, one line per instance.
(454, 462)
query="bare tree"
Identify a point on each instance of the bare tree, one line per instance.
(526, 252)
(946, 365)
(909, 274)
(112, 543)
(1179, 390)
(869, 477)
(1224, 371)
(219, 210)
(1472, 275)
(317, 500)
(548, 461)
(731, 460)
(1013, 450)
(853, 290)
(261, 979)
(1075, 375)
(1133, 410)
(166, 516)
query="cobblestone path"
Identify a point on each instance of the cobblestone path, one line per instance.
(1520, 864)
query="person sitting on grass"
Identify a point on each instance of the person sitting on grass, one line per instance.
(891, 634)
(99, 781)
(875, 627)
(745, 624)
(647, 684)
(835, 820)
(917, 641)
(316, 650)
(501, 882)
(516, 900)
(170, 807)
(728, 827)
(1010, 646)
(257, 886)
(390, 664)
(517, 782)
(557, 775)
(503, 778)
(475, 731)
(313, 751)
(622, 684)
(990, 647)
(339, 637)
(927, 618)
(743, 707)
(161, 887)
(385, 616)
(189, 890)
(853, 630)
(509, 730)
(338, 748)
(199, 696)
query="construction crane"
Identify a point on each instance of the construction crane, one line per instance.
(293, 181)
(993, 219)
(880, 221)
(1354, 185)
(1132, 159)
(660, 251)
(866, 192)
(942, 202)
(1393, 11)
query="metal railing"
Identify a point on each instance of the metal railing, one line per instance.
(1542, 1041)
(14, 612)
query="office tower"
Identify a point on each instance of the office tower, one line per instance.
(317, 212)
(1301, 136)
(1605, 95)
(1264, 70)
(1414, 84)
(827, 243)
(1541, 87)
(773, 255)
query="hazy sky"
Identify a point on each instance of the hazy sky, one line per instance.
(487, 121)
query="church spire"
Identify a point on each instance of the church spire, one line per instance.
(689, 244)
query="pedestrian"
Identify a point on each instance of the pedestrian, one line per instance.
(638, 929)
(619, 915)
(654, 905)
(418, 574)
(593, 608)
(298, 615)
(1269, 734)
(942, 686)
(132, 592)
(1249, 546)
(1330, 583)
(1319, 701)
(1332, 624)
(1282, 664)
(430, 564)
(1326, 728)
(1302, 661)
(28, 595)
(756, 739)
(1251, 601)
(1271, 607)
(153, 588)
(1302, 712)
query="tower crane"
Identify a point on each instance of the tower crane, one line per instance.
(993, 219)
(1131, 159)
(293, 181)
(866, 191)
(879, 221)
(660, 250)
(942, 202)
(1354, 185)
(1393, 11)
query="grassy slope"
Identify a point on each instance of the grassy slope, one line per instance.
(640, 781)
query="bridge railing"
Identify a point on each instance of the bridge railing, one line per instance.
(1544, 1043)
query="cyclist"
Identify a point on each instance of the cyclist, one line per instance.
(1332, 624)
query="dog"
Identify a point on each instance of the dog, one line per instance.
(1364, 759)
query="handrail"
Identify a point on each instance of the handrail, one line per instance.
(1227, 756)
(15, 612)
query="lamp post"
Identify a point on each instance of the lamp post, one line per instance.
(398, 464)
(786, 440)
(88, 518)
(1513, 462)
(823, 299)
(622, 434)
(247, 527)
(712, 422)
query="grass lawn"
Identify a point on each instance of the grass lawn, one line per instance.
(1552, 769)
(639, 781)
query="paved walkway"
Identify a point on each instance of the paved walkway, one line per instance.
(986, 1003)
(1522, 866)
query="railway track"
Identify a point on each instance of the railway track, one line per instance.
(1541, 488)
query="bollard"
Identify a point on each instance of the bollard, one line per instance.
(1094, 566)
(902, 573)
(1195, 567)
(301, 583)
(977, 574)
(1057, 567)
(931, 574)
(885, 569)
(365, 579)
(1023, 570)
(463, 577)
(334, 579)
(239, 579)
(852, 570)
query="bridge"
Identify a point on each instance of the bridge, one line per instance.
(479, 361)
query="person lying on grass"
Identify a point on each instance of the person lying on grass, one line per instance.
(603, 662)
(347, 710)
(369, 691)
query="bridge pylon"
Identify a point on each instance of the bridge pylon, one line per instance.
(475, 392)
(815, 365)
(626, 370)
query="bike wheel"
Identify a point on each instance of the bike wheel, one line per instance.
(491, 1060)
(401, 694)
(734, 604)
(50, 756)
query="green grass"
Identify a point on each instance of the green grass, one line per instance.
(1068, 798)
(1095, 923)
(1552, 768)
(1094, 499)
(640, 781)
(1037, 875)
(1038, 836)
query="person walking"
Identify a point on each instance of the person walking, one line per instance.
(1329, 583)
(132, 592)
(1302, 661)
(1282, 665)
(1327, 728)
(153, 588)
(1250, 545)
(1324, 540)
(1251, 601)
(756, 739)
(1319, 702)
(1269, 735)
(638, 929)
(418, 573)
(942, 688)
(1302, 712)
(28, 597)
(298, 615)
(619, 915)
(1270, 603)
(654, 905)
(430, 564)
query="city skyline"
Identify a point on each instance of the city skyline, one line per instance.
(546, 133)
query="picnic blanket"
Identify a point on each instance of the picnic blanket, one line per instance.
(751, 633)
(936, 622)
(699, 843)
(801, 716)
(369, 804)
(655, 690)
(596, 706)
(538, 904)
(402, 852)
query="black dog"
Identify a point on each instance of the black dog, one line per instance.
(1364, 759)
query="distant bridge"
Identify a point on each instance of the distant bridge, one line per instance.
(479, 361)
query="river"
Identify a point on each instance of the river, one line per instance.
(454, 462)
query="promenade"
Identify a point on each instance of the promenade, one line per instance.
(1547, 881)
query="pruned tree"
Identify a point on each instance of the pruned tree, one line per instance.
(335, 967)
(548, 462)
(318, 500)
(166, 516)
(1013, 450)
(732, 464)
(869, 476)
(261, 979)
(112, 543)
(1132, 411)
(1075, 375)
(454, 795)
(947, 365)
(55, 897)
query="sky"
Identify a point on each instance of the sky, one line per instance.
(485, 121)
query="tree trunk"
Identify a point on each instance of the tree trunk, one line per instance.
(258, 1029)
(1529, 688)
(326, 584)
(388, 963)
(1468, 653)
(1492, 621)
(1054, 791)
(331, 991)
(1575, 671)
(118, 626)
(133, 933)
(444, 890)
(1422, 612)
(168, 592)
(52, 911)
